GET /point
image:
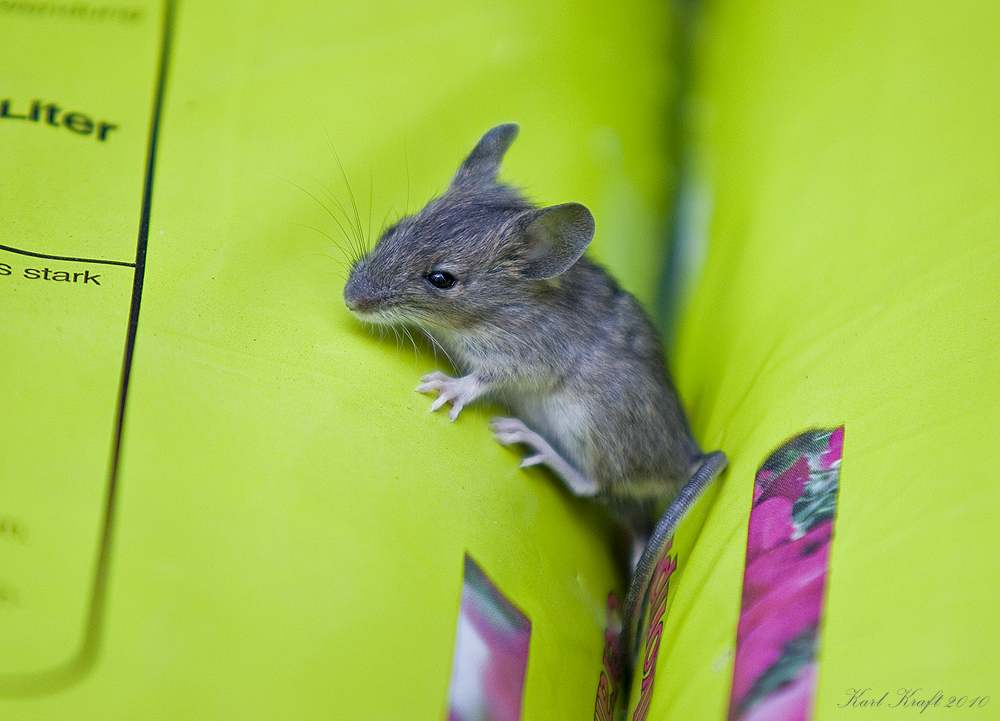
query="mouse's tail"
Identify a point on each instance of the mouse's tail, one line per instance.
(711, 465)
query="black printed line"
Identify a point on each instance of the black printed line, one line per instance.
(95, 624)
(67, 258)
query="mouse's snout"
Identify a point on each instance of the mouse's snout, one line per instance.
(354, 296)
(363, 297)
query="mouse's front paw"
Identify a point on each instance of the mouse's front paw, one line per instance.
(457, 391)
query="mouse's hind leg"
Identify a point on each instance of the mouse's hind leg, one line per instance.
(512, 430)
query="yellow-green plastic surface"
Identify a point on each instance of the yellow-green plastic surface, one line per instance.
(289, 522)
(849, 154)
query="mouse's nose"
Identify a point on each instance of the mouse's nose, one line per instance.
(353, 296)
(361, 296)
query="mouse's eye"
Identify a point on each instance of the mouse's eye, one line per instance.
(441, 279)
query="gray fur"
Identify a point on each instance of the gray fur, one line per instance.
(542, 329)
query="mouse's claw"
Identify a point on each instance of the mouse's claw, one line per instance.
(457, 391)
(533, 460)
(508, 431)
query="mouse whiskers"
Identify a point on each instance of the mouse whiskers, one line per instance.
(436, 346)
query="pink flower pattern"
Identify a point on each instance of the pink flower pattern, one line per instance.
(788, 549)
(491, 653)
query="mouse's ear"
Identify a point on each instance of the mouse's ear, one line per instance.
(556, 238)
(483, 162)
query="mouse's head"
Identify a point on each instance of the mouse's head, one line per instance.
(478, 245)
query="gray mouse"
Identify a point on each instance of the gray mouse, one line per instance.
(530, 322)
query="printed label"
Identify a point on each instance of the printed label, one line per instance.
(52, 115)
(75, 178)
